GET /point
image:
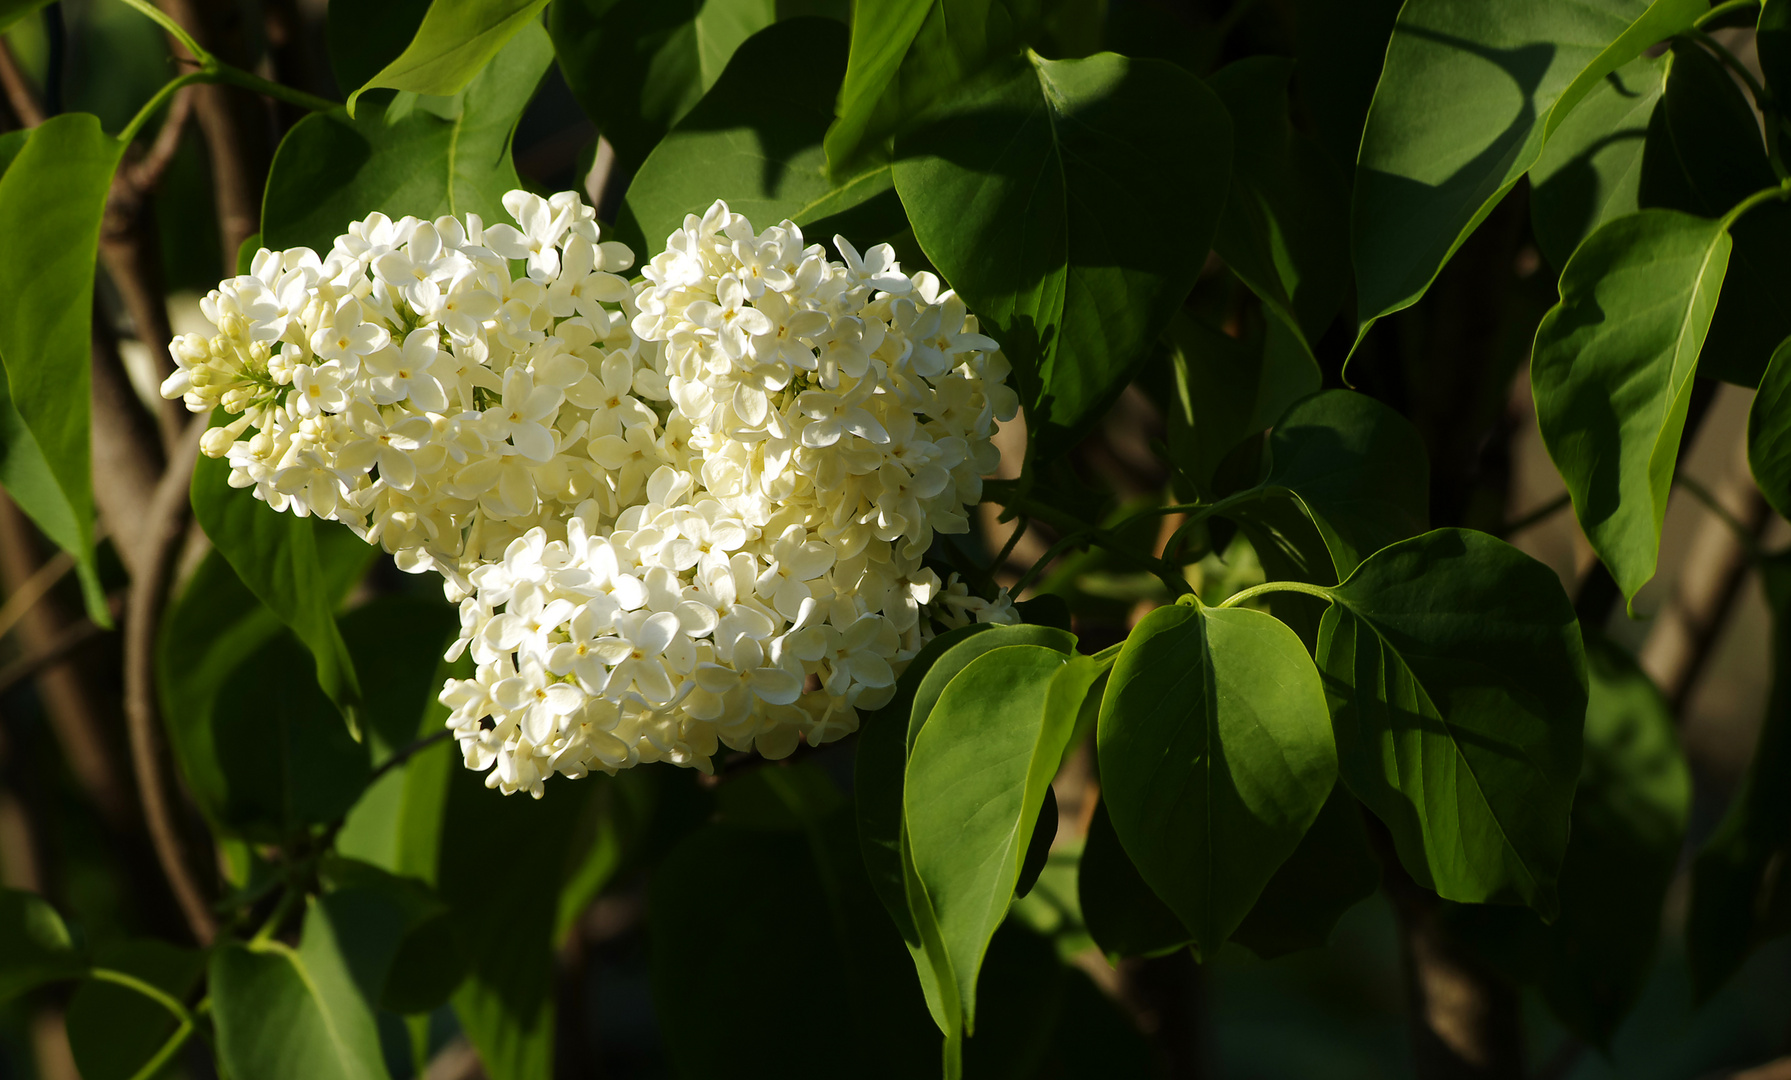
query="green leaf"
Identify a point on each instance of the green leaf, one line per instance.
(275, 554)
(34, 944)
(11, 11)
(1038, 847)
(758, 146)
(975, 781)
(363, 38)
(1467, 99)
(1020, 191)
(52, 197)
(1612, 375)
(422, 156)
(259, 746)
(403, 638)
(1357, 468)
(638, 66)
(1704, 155)
(293, 1014)
(454, 43)
(1331, 871)
(1215, 758)
(115, 1031)
(1590, 170)
(1629, 819)
(881, 36)
(1769, 432)
(1739, 896)
(1123, 915)
(395, 934)
(1457, 685)
(1283, 229)
(1229, 389)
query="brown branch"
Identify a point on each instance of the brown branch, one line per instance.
(18, 90)
(74, 703)
(146, 173)
(235, 126)
(164, 530)
(126, 446)
(32, 663)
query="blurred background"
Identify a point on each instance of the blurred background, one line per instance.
(1456, 364)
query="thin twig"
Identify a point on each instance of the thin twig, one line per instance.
(146, 173)
(29, 665)
(18, 90)
(163, 532)
(1537, 516)
(26, 596)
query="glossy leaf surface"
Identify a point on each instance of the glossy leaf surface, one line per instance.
(1457, 685)
(974, 784)
(455, 41)
(1612, 375)
(1021, 190)
(293, 1014)
(52, 198)
(1468, 98)
(1215, 756)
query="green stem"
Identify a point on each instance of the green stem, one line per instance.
(1255, 591)
(1170, 574)
(281, 910)
(169, 1049)
(1721, 10)
(161, 19)
(154, 993)
(1758, 197)
(168, 90)
(237, 77)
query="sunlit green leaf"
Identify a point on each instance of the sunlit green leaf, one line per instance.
(881, 36)
(1590, 170)
(1612, 374)
(52, 197)
(975, 781)
(1031, 191)
(413, 155)
(293, 1014)
(1467, 99)
(1457, 685)
(455, 41)
(1216, 756)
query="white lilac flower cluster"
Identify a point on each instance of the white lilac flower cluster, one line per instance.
(678, 513)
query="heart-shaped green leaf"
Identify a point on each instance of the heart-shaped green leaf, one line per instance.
(1215, 756)
(1020, 191)
(974, 783)
(52, 197)
(455, 41)
(1457, 686)
(1468, 98)
(1612, 374)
